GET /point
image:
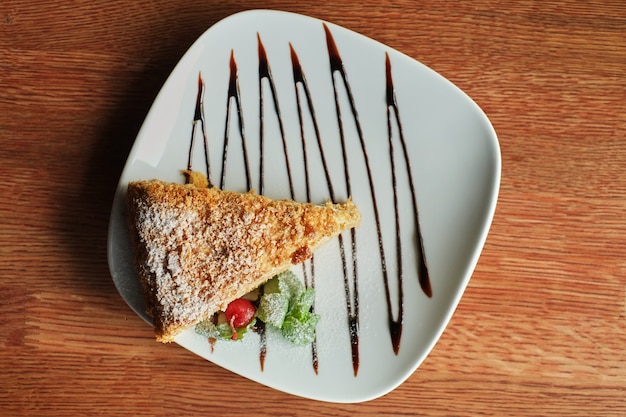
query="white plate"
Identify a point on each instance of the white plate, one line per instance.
(455, 166)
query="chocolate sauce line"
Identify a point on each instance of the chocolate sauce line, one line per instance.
(198, 117)
(422, 266)
(299, 78)
(395, 325)
(309, 281)
(261, 331)
(266, 73)
(352, 301)
(233, 93)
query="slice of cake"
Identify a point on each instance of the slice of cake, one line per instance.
(197, 248)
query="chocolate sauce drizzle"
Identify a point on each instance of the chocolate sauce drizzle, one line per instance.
(198, 117)
(395, 325)
(266, 73)
(233, 94)
(260, 329)
(299, 79)
(392, 104)
(337, 67)
(350, 281)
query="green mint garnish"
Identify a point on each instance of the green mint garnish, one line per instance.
(207, 328)
(273, 309)
(302, 304)
(286, 304)
(301, 330)
(223, 331)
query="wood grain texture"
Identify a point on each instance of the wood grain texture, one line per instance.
(541, 328)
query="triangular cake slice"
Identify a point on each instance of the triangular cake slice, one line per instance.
(198, 248)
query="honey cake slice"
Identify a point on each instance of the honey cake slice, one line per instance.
(198, 248)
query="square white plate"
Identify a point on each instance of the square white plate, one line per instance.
(454, 174)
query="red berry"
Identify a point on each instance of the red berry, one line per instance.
(240, 313)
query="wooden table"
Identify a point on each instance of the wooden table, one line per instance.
(541, 329)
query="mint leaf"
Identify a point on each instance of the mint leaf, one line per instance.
(273, 308)
(220, 331)
(290, 285)
(206, 328)
(241, 331)
(280, 295)
(225, 332)
(300, 331)
(302, 304)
